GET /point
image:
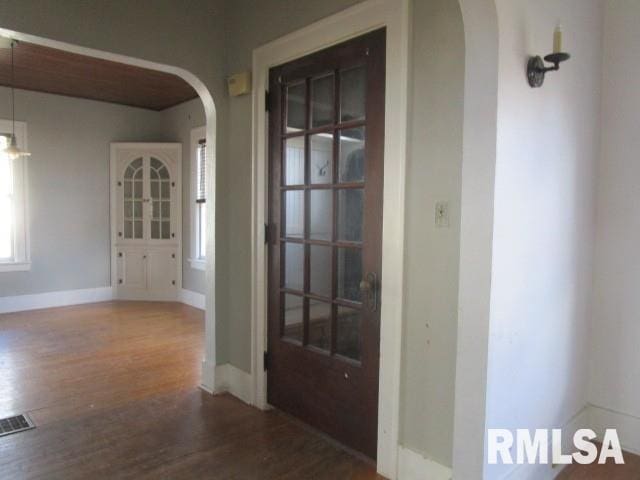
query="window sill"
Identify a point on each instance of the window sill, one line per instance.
(198, 264)
(15, 266)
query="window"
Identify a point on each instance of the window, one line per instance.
(198, 156)
(14, 253)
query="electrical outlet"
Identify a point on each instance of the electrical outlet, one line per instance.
(442, 214)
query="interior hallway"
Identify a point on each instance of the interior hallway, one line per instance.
(113, 390)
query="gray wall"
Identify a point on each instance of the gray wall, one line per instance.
(249, 24)
(177, 123)
(68, 183)
(432, 254)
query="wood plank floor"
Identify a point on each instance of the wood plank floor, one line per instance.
(610, 471)
(113, 389)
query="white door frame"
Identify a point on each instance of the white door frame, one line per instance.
(157, 148)
(350, 23)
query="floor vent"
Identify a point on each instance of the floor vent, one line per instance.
(16, 424)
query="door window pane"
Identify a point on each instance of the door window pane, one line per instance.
(353, 88)
(294, 213)
(350, 214)
(296, 98)
(322, 101)
(320, 274)
(320, 324)
(349, 273)
(321, 214)
(294, 161)
(293, 313)
(351, 160)
(294, 266)
(321, 158)
(348, 332)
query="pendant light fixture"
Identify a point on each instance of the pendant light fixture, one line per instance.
(12, 150)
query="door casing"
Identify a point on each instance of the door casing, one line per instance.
(351, 23)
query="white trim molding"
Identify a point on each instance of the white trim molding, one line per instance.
(195, 299)
(15, 266)
(350, 23)
(196, 262)
(64, 298)
(230, 379)
(20, 259)
(627, 426)
(415, 466)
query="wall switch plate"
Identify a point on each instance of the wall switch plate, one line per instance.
(442, 214)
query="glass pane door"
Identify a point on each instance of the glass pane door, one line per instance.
(133, 191)
(322, 191)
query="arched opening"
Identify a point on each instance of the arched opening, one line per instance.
(208, 361)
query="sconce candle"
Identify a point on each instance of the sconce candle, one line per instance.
(536, 68)
(557, 39)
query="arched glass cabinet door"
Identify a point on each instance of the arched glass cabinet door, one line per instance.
(160, 182)
(133, 182)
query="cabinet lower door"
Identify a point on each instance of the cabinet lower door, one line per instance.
(162, 272)
(147, 273)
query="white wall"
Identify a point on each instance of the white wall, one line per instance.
(548, 143)
(615, 357)
(68, 186)
(177, 123)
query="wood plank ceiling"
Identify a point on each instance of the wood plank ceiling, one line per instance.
(44, 69)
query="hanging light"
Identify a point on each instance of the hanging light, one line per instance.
(12, 150)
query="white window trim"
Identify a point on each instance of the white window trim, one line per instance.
(22, 260)
(196, 135)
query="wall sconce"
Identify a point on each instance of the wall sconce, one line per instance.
(536, 68)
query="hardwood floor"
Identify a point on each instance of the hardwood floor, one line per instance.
(113, 390)
(629, 471)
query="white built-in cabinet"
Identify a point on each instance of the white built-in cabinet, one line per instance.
(146, 220)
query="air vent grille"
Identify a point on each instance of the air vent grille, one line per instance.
(16, 424)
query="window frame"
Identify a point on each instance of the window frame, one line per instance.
(196, 262)
(21, 260)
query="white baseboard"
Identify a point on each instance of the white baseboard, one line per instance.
(192, 298)
(20, 303)
(208, 376)
(414, 466)
(627, 426)
(582, 419)
(234, 381)
(54, 299)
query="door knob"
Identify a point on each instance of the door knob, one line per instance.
(369, 289)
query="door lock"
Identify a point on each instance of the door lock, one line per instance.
(369, 289)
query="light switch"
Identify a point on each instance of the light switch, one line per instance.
(442, 214)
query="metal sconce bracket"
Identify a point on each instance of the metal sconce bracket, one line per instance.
(536, 68)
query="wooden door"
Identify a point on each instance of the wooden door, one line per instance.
(326, 152)
(146, 220)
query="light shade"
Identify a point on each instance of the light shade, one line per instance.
(13, 152)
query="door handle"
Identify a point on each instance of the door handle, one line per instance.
(369, 289)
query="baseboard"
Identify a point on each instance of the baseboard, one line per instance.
(64, 298)
(627, 426)
(208, 376)
(20, 303)
(192, 298)
(234, 381)
(414, 466)
(582, 419)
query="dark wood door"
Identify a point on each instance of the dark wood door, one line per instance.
(326, 132)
